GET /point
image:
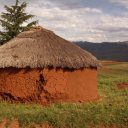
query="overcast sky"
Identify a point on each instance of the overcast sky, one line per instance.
(86, 20)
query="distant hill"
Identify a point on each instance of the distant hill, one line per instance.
(115, 51)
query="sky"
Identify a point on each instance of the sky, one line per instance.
(81, 20)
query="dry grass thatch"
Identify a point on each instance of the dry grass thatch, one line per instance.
(42, 48)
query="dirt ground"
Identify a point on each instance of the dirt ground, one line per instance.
(15, 124)
(109, 62)
(122, 86)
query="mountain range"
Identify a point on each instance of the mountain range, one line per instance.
(115, 51)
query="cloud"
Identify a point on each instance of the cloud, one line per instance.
(121, 2)
(102, 20)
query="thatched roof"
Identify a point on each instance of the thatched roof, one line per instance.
(42, 48)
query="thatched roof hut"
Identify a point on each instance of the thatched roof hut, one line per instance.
(42, 48)
(39, 66)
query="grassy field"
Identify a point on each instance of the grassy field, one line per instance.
(110, 112)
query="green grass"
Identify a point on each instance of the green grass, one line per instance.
(111, 111)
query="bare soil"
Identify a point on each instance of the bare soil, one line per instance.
(122, 86)
(15, 124)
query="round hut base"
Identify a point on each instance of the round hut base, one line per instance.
(48, 85)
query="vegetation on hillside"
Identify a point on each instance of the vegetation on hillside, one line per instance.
(13, 21)
(116, 51)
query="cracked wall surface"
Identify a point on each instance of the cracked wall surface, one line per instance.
(47, 85)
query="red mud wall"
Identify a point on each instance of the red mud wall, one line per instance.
(44, 86)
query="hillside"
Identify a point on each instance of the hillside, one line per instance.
(116, 51)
